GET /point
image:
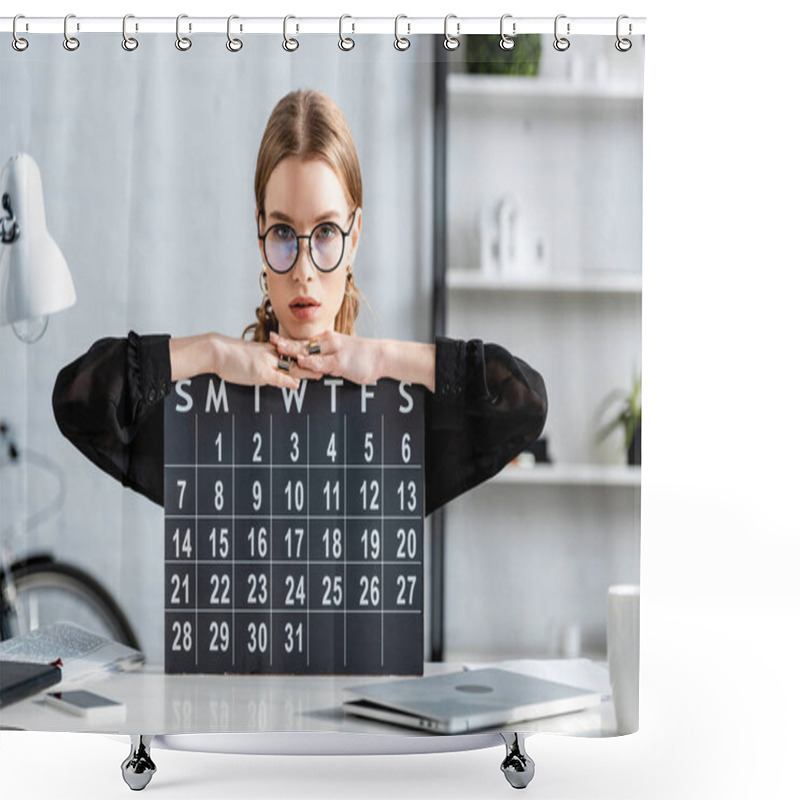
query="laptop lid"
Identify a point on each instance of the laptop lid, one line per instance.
(466, 701)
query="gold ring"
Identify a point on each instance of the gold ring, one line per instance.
(284, 363)
(313, 347)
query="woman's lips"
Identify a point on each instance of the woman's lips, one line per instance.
(304, 308)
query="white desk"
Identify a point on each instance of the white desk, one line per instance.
(277, 715)
(159, 704)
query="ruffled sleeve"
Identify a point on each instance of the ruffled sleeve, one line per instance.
(107, 403)
(488, 406)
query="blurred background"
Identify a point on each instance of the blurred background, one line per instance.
(147, 165)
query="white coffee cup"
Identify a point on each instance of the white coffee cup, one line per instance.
(623, 655)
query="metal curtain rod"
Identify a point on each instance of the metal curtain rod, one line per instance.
(306, 25)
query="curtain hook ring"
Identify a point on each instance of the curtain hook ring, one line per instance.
(561, 43)
(128, 42)
(182, 42)
(290, 45)
(233, 44)
(70, 42)
(346, 43)
(400, 42)
(451, 42)
(623, 45)
(18, 43)
(507, 42)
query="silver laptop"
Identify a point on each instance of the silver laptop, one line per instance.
(461, 702)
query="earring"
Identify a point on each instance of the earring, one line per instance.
(348, 283)
(262, 283)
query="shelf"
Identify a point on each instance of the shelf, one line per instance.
(570, 475)
(580, 283)
(464, 89)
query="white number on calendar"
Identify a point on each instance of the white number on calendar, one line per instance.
(182, 487)
(219, 500)
(406, 582)
(370, 503)
(331, 451)
(333, 590)
(294, 535)
(407, 544)
(220, 637)
(371, 594)
(369, 450)
(256, 495)
(183, 637)
(257, 451)
(257, 641)
(408, 496)
(372, 543)
(295, 454)
(185, 546)
(177, 586)
(294, 635)
(331, 492)
(405, 448)
(218, 443)
(258, 588)
(220, 590)
(222, 540)
(333, 542)
(258, 542)
(295, 592)
(294, 491)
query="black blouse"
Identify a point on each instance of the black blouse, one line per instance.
(487, 407)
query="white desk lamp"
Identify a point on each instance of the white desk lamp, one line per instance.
(34, 277)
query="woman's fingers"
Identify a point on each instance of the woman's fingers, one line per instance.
(322, 365)
(289, 347)
(304, 372)
(292, 378)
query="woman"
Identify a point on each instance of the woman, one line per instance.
(483, 406)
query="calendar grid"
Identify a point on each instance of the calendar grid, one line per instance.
(344, 543)
(362, 517)
(319, 562)
(308, 541)
(311, 567)
(383, 543)
(267, 467)
(271, 587)
(233, 531)
(197, 542)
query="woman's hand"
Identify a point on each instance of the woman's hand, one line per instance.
(234, 360)
(349, 357)
(256, 364)
(363, 360)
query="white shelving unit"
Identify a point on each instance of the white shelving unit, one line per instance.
(500, 90)
(568, 152)
(465, 280)
(569, 475)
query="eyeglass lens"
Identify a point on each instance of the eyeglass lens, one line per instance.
(326, 244)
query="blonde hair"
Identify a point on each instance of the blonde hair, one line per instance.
(308, 125)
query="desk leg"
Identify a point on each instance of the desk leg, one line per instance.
(138, 768)
(518, 766)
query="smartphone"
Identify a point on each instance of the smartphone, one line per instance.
(89, 705)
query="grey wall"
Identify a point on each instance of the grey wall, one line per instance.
(147, 161)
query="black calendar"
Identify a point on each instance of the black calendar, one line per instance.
(293, 524)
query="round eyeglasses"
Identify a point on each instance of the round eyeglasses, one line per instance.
(281, 245)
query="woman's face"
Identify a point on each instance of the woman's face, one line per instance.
(302, 194)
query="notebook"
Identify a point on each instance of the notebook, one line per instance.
(21, 679)
(461, 702)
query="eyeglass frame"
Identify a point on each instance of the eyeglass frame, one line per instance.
(298, 237)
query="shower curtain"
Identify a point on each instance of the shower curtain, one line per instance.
(501, 205)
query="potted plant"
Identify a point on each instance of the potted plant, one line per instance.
(485, 57)
(629, 417)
